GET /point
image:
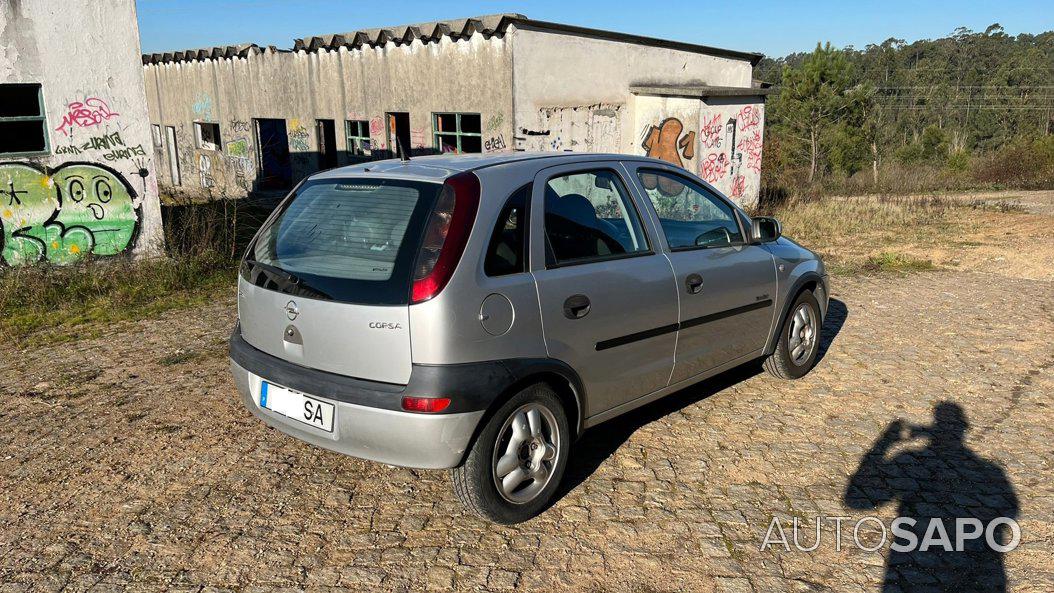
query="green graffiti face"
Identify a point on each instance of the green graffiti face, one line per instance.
(97, 212)
(79, 209)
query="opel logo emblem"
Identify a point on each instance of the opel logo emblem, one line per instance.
(291, 310)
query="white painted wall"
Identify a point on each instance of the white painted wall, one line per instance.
(718, 139)
(567, 86)
(87, 57)
(573, 93)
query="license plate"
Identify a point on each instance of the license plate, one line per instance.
(296, 405)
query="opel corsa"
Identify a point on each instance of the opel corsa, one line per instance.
(478, 313)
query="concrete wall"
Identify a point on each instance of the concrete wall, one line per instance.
(470, 75)
(535, 89)
(719, 139)
(94, 191)
(572, 92)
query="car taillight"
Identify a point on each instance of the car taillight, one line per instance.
(445, 236)
(426, 405)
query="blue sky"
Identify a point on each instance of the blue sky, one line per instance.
(769, 26)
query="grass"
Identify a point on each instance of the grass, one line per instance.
(884, 234)
(862, 235)
(50, 304)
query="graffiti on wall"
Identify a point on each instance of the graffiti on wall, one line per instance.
(113, 145)
(239, 161)
(205, 171)
(417, 138)
(751, 147)
(667, 141)
(202, 106)
(63, 214)
(749, 117)
(90, 112)
(495, 144)
(377, 132)
(298, 136)
(731, 143)
(714, 166)
(711, 133)
(582, 128)
(495, 122)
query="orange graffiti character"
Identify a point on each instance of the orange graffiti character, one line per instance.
(666, 142)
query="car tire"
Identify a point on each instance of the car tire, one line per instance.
(801, 328)
(525, 427)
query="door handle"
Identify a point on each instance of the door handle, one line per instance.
(576, 306)
(694, 283)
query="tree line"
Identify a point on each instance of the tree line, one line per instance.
(970, 109)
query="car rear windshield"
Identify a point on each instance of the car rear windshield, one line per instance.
(350, 240)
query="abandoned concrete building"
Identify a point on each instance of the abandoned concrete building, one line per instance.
(77, 177)
(229, 121)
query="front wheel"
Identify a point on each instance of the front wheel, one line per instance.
(799, 340)
(515, 464)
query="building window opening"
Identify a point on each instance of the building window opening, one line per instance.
(207, 135)
(358, 133)
(23, 126)
(458, 133)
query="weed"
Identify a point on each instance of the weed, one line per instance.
(52, 304)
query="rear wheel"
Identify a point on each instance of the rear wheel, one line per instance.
(799, 340)
(516, 463)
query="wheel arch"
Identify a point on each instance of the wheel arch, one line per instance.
(559, 376)
(807, 281)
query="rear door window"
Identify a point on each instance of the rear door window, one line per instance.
(351, 240)
(589, 216)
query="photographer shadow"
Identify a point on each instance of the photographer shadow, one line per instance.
(946, 481)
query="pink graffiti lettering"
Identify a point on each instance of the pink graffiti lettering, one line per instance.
(90, 112)
(751, 146)
(749, 117)
(739, 186)
(710, 134)
(376, 126)
(713, 167)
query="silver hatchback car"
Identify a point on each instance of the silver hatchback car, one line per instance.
(479, 313)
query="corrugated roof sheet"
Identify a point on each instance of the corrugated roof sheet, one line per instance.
(433, 31)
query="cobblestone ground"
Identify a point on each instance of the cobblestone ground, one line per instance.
(127, 462)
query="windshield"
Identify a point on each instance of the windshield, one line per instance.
(350, 240)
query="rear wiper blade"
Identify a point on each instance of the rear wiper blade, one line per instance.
(293, 284)
(290, 277)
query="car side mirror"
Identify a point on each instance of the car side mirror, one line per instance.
(765, 229)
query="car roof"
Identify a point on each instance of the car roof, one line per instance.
(438, 167)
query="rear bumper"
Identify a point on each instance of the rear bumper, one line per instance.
(388, 436)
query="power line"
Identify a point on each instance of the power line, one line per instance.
(1008, 87)
(972, 107)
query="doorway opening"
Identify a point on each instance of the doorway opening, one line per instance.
(327, 143)
(398, 124)
(276, 170)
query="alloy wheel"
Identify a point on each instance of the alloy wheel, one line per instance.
(525, 453)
